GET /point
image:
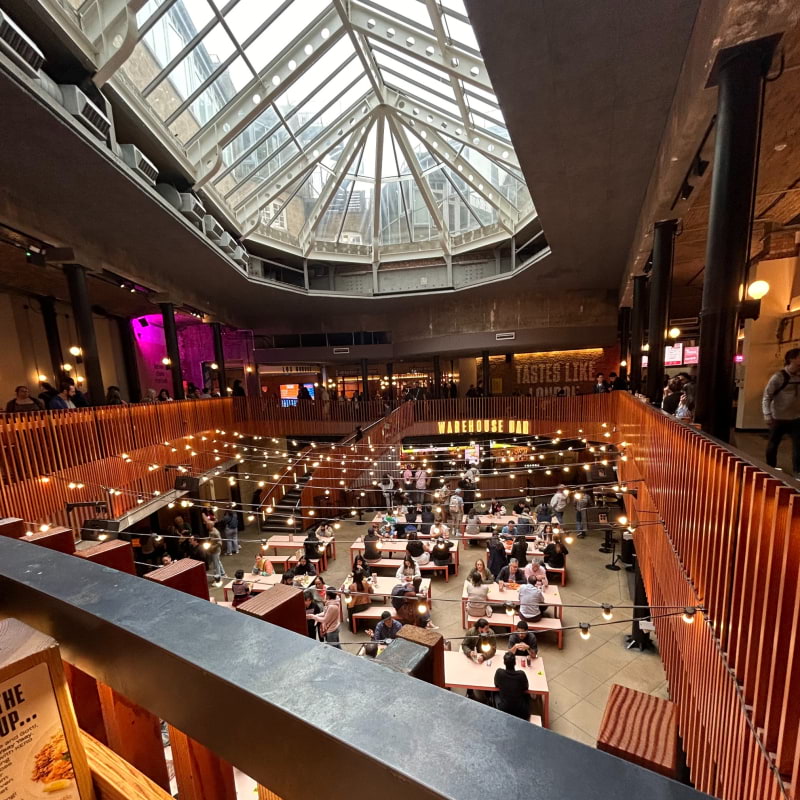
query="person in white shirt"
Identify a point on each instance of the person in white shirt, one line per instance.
(537, 571)
(439, 529)
(386, 486)
(471, 473)
(408, 477)
(421, 484)
(558, 502)
(456, 510)
(410, 566)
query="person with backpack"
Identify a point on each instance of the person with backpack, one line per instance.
(456, 509)
(781, 407)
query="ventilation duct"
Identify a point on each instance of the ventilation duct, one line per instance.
(212, 228)
(226, 243)
(240, 257)
(139, 163)
(16, 44)
(85, 111)
(505, 337)
(192, 209)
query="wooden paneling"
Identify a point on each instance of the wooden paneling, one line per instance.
(727, 545)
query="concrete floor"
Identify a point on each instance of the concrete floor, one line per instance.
(580, 675)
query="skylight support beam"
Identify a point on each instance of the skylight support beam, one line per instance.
(417, 43)
(332, 184)
(364, 54)
(204, 149)
(351, 120)
(110, 25)
(376, 195)
(507, 214)
(422, 183)
(441, 36)
(475, 138)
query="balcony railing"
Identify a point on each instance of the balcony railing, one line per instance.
(301, 718)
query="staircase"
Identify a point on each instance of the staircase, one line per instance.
(286, 506)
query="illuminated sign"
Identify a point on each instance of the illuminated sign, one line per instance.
(484, 426)
(691, 355)
(673, 355)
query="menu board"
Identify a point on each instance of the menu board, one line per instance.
(673, 355)
(35, 761)
(691, 355)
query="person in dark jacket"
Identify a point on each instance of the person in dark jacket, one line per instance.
(372, 545)
(427, 519)
(512, 686)
(497, 555)
(313, 606)
(555, 552)
(238, 389)
(519, 550)
(440, 553)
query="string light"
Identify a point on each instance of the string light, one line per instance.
(689, 614)
(586, 630)
(607, 615)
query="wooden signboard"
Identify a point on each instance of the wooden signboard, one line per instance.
(41, 752)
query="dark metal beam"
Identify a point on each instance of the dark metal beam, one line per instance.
(219, 358)
(173, 353)
(291, 696)
(129, 359)
(485, 373)
(50, 319)
(660, 279)
(624, 325)
(84, 323)
(637, 331)
(739, 73)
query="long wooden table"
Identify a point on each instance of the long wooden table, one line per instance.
(389, 546)
(461, 672)
(552, 597)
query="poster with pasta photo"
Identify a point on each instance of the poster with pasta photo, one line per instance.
(35, 761)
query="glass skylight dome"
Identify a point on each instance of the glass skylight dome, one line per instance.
(354, 130)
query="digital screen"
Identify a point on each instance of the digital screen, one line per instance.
(290, 391)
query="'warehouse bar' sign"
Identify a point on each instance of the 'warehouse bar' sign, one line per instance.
(484, 426)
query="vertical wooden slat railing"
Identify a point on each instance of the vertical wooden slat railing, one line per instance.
(730, 542)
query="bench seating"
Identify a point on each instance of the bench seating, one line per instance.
(371, 614)
(544, 625)
(560, 571)
(276, 561)
(642, 729)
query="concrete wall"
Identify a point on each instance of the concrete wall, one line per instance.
(763, 356)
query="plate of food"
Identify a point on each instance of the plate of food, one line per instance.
(49, 768)
(513, 585)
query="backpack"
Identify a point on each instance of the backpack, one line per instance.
(785, 378)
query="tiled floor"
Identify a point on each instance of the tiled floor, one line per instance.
(581, 674)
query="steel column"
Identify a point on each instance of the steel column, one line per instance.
(739, 74)
(129, 359)
(50, 318)
(173, 353)
(637, 331)
(365, 378)
(219, 358)
(485, 373)
(84, 323)
(624, 325)
(437, 377)
(660, 278)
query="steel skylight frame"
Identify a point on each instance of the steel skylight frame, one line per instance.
(402, 55)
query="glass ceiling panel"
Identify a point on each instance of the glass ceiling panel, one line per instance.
(212, 72)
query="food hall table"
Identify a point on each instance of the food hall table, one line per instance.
(552, 598)
(390, 546)
(461, 672)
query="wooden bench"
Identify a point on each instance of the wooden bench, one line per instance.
(640, 728)
(544, 625)
(560, 571)
(431, 567)
(371, 614)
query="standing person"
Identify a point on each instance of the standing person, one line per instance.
(582, 502)
(23, 401)
(240, 587)
(47, 394)
(386, 486)
(313, 608)
(230, 527)
(408, 478)
(238, 389)
(114, 397)
(512, 686)
(618, 382)
(601, 385)
(497, 554)
(558, 502)
(456, 509)
(329, 619)
(781, 407)
(214, 551)
(421, 483)
(64, 398)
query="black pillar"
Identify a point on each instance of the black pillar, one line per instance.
(624, 325)
(660, 277)
(739, 73)
(389, 374)
(48, 307)
(129, 359)
(437, 377)
(485, 373)
(84, 323)
(219, 358)
(637, 331)
(365, 378)
(173, 353)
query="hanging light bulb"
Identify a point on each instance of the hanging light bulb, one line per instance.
(622, 520)
(321, 547)
(348, 598)
(757, 289)
(264, 545)
(250, 517)
(290, 521)
(422, 607)
(586, 630)
(689, 614)
(510, 609)
(569, 539)
(206, 545)
(486, 646)
(607, 615)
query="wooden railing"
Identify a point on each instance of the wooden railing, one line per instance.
(731, 544)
